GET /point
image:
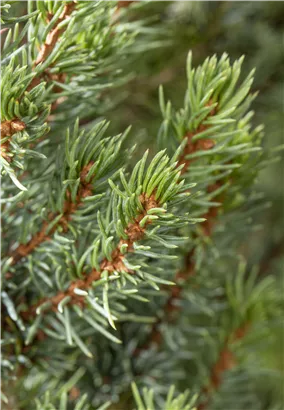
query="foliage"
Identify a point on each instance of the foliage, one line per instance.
(123, 265)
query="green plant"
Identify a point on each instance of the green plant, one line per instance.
(122, 266)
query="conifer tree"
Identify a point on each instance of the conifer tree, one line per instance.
(127, 279)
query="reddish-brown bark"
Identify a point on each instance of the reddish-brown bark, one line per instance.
(8, 129)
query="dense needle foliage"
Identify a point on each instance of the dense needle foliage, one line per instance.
(141, 267)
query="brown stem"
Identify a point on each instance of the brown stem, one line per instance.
(116, 264)
(49, 44)
(202, 144)
(124, 4)
(54, 34)
(8, 129)
(69, 207)
(225, 362)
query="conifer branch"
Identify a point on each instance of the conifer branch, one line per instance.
(203, 144)
(116, 264)
(11, 127)
(210, 109)
(175, 291)
(210, 216)
(81, 169)
(54, 34)
(69, 207)
(50, 42)
(142, 209)
(46, 49)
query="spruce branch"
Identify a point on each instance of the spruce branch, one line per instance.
(82, 169)
(53, 36)
(193, 146)
(47, 47)
(213, 113)
(181, 277)
(23, 117)
(134, 233)
(85, 189)
(208, 116)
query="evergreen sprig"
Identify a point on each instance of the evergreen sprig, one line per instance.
(217, 162)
